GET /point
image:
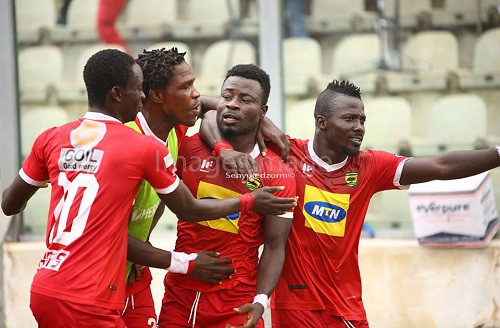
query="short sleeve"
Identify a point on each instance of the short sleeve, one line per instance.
(388, 170)
(159, 168)
(34, 170)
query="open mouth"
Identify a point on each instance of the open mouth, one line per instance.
(357, 140)
(197, 109)
(230, 118)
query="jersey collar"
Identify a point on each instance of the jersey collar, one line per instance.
(255, 152)
(322, 163)
(95, 116)
(143, 124)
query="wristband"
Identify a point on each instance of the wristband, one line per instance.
(246, 202)
(180, 262)
(262, 299)
(219, 146)
(497, 149)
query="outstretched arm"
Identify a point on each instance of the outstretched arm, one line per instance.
(270, 266)
(188, 208)
(451, 165)
(16, 196)
(208, 267)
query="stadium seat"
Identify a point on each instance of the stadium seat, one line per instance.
(32, 17)
(82, 23)
(302, 61)
(149, 19)
(299, 119)
(356, 58)
(485, 64)
(37, 120)
(427, 59)
(456, 122)
(74, 88)
(389, 213)
(35, 213)
(218, 58)
(396, 208)
(40, 72)
(388, 124)
(200, 19)
(340, 15)
(409, 11)
(457, 12)
(181, 47)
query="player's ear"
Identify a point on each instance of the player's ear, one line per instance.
(117, 93)
(263, 111)
(320, 122)
(156, 95)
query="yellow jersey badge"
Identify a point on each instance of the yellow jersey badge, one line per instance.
(351, 179)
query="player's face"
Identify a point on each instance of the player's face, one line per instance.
(181, 99)
(345, 125)
(240, 109)
(133, 95)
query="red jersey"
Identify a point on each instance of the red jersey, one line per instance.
(94, 165)
(321, 266)
(237, 236)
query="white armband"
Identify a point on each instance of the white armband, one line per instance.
(179, 262)
(262, 299)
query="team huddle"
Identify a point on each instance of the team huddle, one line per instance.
(236, 186)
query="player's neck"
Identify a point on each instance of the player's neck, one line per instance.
(324, 151)
(242, 143)
(158, 124)
(97, 109)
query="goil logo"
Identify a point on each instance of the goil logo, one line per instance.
(325, 212)
(88, 134)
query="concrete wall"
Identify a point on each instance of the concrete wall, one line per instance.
(404, 285)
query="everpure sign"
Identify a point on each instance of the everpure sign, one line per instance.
(461, 212)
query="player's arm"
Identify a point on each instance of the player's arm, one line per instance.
(205, 265)
(451, 165)
(270, 265)
(208, 103)
(240, 162)
(16, 196)
(159, 212)
(187, 208)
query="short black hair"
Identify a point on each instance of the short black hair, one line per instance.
(158, 67)
(103, 71)
(334, 88)
(252, 72)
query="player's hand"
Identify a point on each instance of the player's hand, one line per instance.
(238, 163)
(254, 313)
(268, 204)
(135, 274)
(269, 131)
(208, 267)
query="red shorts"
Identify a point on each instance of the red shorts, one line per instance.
(215, 309)
(51, 312)
(311, 319)
(140, 310)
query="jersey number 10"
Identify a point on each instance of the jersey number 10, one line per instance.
(59, 232)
